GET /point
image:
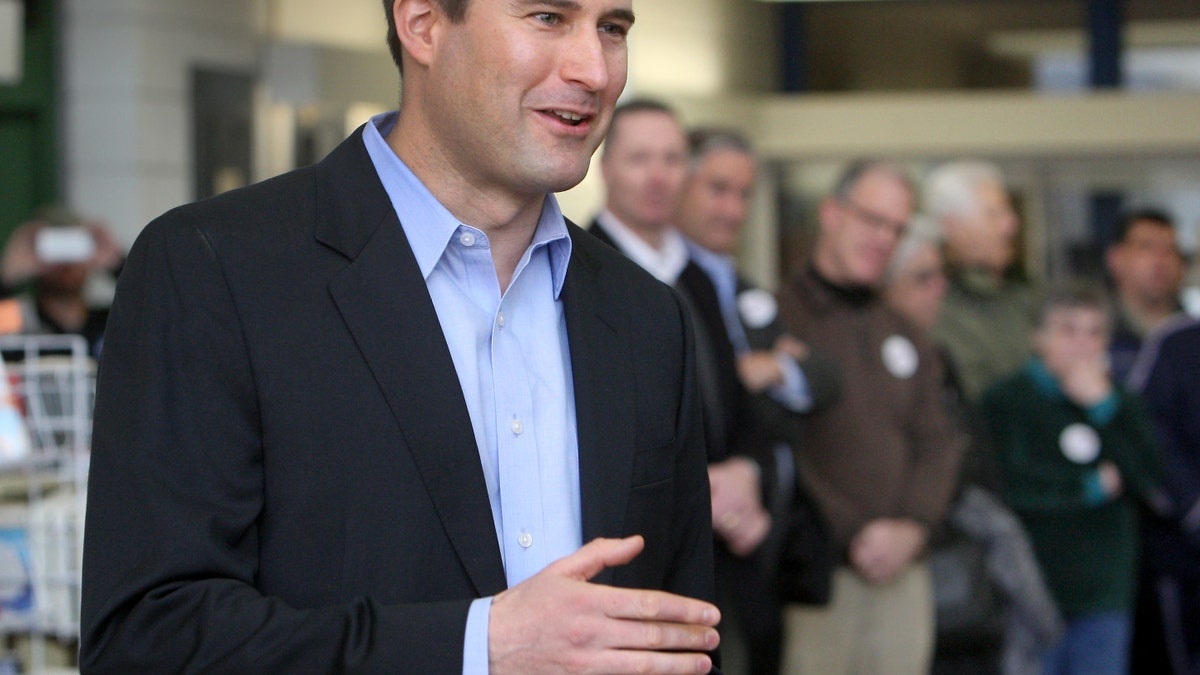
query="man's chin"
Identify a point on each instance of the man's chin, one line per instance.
(564, 178)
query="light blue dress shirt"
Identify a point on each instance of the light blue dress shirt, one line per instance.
(511, 355)
(793, 392)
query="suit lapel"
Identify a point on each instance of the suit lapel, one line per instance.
(597, 230)
(604, 409)
(383, 299)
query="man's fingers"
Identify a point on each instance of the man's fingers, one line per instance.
(657, 606)
(598, 554)
(559, 621)
(661, 636)
(626, 661)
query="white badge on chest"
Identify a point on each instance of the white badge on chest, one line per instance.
(900, 357)
(1079, 443)
(757, 308)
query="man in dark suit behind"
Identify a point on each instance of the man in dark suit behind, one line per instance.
(364, 417)
(780, 380)
(645, 164)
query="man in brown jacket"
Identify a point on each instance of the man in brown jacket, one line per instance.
(881, 461)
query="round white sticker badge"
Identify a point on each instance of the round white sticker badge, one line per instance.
(1079, 443)
(900, 357)
(757, 308)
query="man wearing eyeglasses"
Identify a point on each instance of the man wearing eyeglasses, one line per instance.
(986, 319)
(881, 461)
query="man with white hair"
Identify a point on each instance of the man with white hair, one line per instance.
(986, 320)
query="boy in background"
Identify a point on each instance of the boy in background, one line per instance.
(1077, 452)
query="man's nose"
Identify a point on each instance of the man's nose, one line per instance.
(585, 61)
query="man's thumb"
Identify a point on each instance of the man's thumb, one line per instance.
(598, 554)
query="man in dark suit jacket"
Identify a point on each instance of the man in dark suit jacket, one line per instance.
(645, 164)
(645, 167)
(287, 474)
(775, 378)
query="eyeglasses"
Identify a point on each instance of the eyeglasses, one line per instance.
(925, 277)
(875, 221)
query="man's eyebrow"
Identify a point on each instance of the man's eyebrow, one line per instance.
(621, 14)
(558, 4)
(625, 15)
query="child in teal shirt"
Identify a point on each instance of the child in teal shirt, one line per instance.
(1077, 453)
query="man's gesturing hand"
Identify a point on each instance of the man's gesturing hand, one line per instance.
(558, 622)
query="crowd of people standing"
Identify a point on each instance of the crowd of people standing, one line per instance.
(966, 422)
(393, 412)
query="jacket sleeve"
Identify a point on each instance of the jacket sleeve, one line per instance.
(1134, 448)
(692, 573)
(176, 492)
(937, 445)
(1172, 393)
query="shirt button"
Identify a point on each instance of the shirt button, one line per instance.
(525, 540)
(467, 239)
(500, 319)
(517, 427)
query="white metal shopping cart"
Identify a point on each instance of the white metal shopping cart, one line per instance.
(46, 401)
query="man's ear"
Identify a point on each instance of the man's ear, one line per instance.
(1113, 259)
(416, 24)
(952, 224)
(827, 214)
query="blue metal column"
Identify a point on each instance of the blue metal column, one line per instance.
(1105, 23)
(1105, 47)
(792, 48)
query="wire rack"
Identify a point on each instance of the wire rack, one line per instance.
(46, 397)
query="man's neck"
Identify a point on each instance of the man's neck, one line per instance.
(967, 266)
(827, 271)
(508, 219)
(654, 234)
(977, 280)
(665, 261)
(851, 292)
(695, 242)
(1147, 316)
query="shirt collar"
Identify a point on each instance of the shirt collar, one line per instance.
(716, 264)
(430, 226)
(664, 263)
(1043, 379)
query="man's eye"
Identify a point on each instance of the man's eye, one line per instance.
(614, 29)
(549, 18)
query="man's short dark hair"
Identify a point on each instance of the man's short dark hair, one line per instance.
(708, 139)
(1127, 221)
(456, 10)
(636, 105)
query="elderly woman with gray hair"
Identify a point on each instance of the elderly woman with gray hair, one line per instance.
(994, 612)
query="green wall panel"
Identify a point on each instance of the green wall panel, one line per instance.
(29, 148)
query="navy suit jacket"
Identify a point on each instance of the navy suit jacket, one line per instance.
(284, 476)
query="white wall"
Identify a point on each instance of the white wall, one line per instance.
(127, 98)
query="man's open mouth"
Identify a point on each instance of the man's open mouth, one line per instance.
(573, 119)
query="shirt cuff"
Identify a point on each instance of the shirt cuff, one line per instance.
(475, 642)
(793, 392)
